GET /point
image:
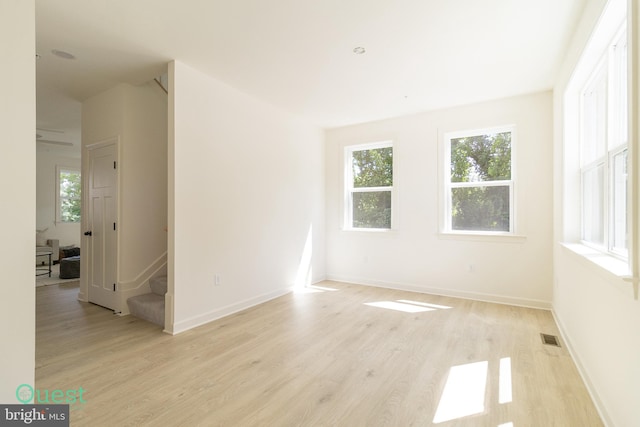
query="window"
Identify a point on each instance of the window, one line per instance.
(603, 150)
(479, 181)
(369, 186)
(68, 195)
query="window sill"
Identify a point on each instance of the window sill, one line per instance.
(369, 230)
(483, 237)
(374, 233)
(605, 263)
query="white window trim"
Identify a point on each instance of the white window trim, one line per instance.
(604, 263)
(60, 169)
(623, 255)
(446, 230)
(349, 189)
(604, 160)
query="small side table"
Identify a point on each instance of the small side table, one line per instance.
(45, 270)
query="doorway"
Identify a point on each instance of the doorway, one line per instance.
(100, 234)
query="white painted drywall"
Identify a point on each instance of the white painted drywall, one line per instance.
(247, 197)
(46, 175)
(18, 173)
(416, 256)
(137, 115)
(597, 313)
(143, 169)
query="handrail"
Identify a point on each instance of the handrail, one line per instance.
(161, 86)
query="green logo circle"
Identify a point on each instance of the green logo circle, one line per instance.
(24, 393)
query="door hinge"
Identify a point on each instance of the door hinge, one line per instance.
(114, 164)
(114, 226)
(114, 287)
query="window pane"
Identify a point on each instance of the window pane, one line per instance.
(593, 205)
(480, 208)
(372, 209)
(619, 93)
(619, 225)
(70, 210)
(481, 158)
(373, 168)
(70, 196)
(594, 119)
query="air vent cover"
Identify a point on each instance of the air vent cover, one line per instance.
(550, 340)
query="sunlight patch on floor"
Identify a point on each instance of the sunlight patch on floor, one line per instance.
(505, 393)
(312, 289)
(463, 394)
(426, 304)
(399, 306)
(407, 306)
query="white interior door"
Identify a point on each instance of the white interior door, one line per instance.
(102, 235)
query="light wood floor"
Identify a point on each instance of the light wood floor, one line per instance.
(313, 359)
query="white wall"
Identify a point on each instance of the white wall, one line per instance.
(137, 116)
(18, 173)
(416, 256)
(46, 176)
(246, 198)
(143, 239)
(596, 311)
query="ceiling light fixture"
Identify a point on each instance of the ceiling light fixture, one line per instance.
(50, 130)
(62, 54)
(60, 143)
(359, 50)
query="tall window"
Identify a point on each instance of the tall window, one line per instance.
(479, 182)
(68, 195)
(369, 186)
(603, 150)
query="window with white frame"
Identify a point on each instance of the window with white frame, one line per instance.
(68, 194)
(603, 150)
(369, 186)
(479, 181)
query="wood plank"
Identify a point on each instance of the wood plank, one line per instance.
(307, 359)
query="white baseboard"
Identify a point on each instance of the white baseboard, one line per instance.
(218, 313)
(319, 279)
(202, 319)
(597, 401)
(478, 296)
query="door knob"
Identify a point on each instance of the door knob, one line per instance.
(88, 233)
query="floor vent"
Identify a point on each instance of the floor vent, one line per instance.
(550, 340)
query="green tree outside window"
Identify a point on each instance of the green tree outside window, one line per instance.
(372, 174)
(70, 202)
(481, 182)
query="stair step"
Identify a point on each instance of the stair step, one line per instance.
(149, 307)
(158, 285)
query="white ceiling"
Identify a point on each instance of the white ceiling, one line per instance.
(298, 54)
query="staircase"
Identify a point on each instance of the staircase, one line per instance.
(150, 307)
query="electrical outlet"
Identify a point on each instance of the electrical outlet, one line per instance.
(217, 280)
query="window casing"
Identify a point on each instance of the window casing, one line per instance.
(603, 152)
(478, 181)
(369, 186)
(68, 201)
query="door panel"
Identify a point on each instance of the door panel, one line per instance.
(103, 244)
